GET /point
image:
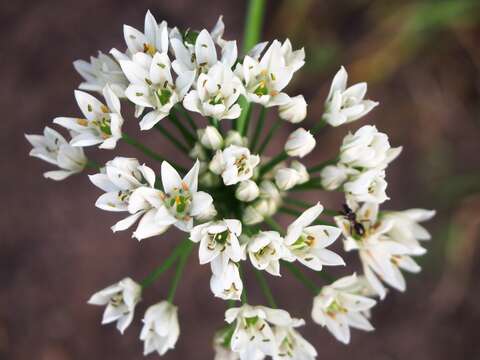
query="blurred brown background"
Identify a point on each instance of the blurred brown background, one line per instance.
(422, 61)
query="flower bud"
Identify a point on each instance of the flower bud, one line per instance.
(303, 174)
(198, 152)
(217, 165)
(210, 138)
(294, 110)
(286, 178)
(209, 179)
(247, 191)
(207, 214)
(251, 216)
(300, 143)
(234, 138)
(335, 175)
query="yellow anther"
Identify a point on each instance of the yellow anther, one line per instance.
(83, 122)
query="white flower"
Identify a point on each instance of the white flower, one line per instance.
(181, 198)
(207, 214)
(121, 177)
(160, 328)
(295, 110)
(54, 149)
(199, 56)
(101, 125)
(406, 228)
(367, 148)
(264, 80)
(265, 251)
(210, 138)
(300, 143)
(346, 105)
(247, 191)
(292, 345)
(226, 282)
(218, 242)
(216, 94)
(338, 308)
(333, 176)
(369, 186)
(235, 164)
(307, 244)
(152, 86)
(253, 332)
(120, 299)
(303, 174)
(99, 72)
(154, 38)
(234, 138)
(294, 59)
(381, 257)
(286, 178)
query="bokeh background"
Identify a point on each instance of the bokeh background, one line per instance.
(421, 60)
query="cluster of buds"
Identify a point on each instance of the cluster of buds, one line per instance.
(226, 199)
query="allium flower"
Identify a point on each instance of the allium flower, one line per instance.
(253, 332)
(228, 202)
(346, 105)
(338, 308)
(235, 164)
(101, 125)
(265, 80)
(307, 243)
(120, 300)
(54, 149)
(216, 94)
(181, 198)
(99, 72)
(152, 86)
(295, 110)
(292, 345)
(160, 328)
(265, 251)
(218, 242)
(119, 179)
(367, 148)
(300, 143)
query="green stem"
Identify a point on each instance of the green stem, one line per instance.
(92, 165)
(186, 134)
(273, 162)
(319, 167)
(172, 138)
(253, 24)
(269, 136)
(243, 297)
(259, 128)
(214, 122)
(320, 125)
(265, 288)
(155, 274)
(179, 272)
(187, 116)
(297, 273)
(274, 225)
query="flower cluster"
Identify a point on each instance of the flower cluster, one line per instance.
(226, 199)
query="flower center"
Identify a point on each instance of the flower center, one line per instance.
(178, 202)
(149, 49)
(163, 95)
(117, 299)
(303, 242)
(334, 308)
(218, 238)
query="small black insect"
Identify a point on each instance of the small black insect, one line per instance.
(352, 218)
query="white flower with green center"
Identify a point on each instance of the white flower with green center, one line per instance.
(218, 242)
(367, 148)
(307, 243)
(291, 344)
(102, 70)
(160, 330)
(234, 164)
(339, 308)
(265, 79)
(152, 86)
(265, 251)
(344, 105)
(253, 332)
(196, 52)
(120, 300)
(182, 201)
(216, 94)
(101, 124)
(54, 149)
